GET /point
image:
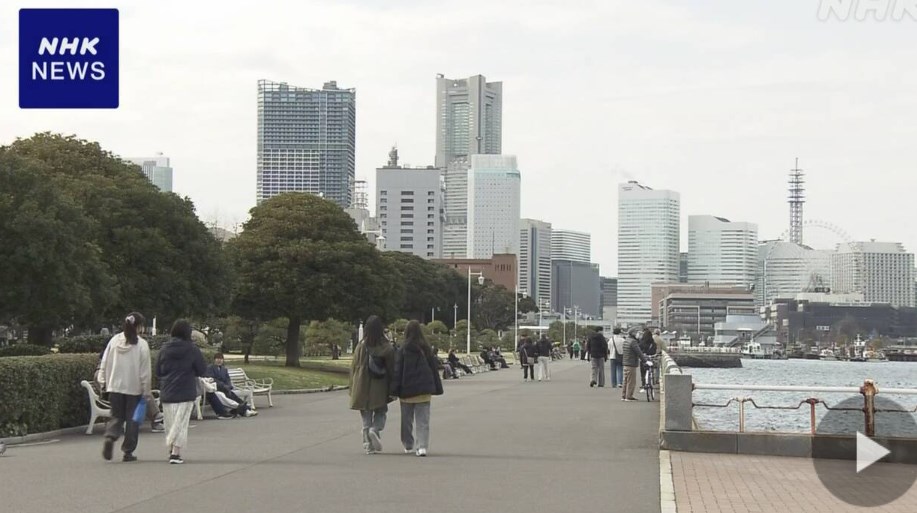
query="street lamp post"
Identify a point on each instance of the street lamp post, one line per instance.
(480, 276)
(523, 292)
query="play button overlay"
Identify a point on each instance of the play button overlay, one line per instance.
(868, 452)
(860, 470)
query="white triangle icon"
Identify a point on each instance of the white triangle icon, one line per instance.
(868, 452)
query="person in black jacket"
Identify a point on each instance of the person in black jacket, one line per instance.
(179, 365)
(415, 382)
(648, 348)
(598, 353)
(528, 354)
(456, 364)
(545, 348)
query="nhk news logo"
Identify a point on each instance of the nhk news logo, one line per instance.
(68, 58)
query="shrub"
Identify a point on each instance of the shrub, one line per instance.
(83, 344)
(24, 350)
(43, 393)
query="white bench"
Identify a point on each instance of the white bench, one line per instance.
(97, 407)
(257, 386)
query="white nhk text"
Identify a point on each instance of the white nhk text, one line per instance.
(68, 69)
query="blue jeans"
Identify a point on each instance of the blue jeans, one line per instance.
(617, 373)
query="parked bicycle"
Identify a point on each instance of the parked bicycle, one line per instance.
(651, 378)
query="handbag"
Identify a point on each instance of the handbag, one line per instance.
(139, 411)
(376, 369)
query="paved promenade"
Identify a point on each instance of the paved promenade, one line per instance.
(497, 445)
(730, 483)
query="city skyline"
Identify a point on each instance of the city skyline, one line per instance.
(713, 101)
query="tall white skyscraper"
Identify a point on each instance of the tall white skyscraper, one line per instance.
(469, 114)
(648, 247)
(157, 170)
(493, 205)
(306, 141)
(721, 252)
(571, 245)
(535, 259)
(469, 118)
(409, 208)
(882, 271)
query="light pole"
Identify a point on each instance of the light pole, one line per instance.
(480, 276)
(524, 292)
(564, 323)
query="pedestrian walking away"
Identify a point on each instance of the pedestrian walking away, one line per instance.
(178, 368)
(545, 348)
(615, 350)
(648, 348)
(126, 374)
(415, 382)
(527, 357)
(598, 353)
(370, 380)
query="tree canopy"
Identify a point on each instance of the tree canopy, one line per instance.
(152, 253)
(301, 257)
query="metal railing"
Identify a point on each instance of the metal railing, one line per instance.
(868, 390)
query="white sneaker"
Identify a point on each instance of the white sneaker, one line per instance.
(408, 451)
(421, 452)
(250, 413)
(375, 441)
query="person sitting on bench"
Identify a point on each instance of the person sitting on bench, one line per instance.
(220, 376)
(456, 364)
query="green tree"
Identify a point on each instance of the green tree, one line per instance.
(321, 334)
(158, 257)
(240, 332)
(50, 274)
(494, 308)
(271, 337)
(301, 257)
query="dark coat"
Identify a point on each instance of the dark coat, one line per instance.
(179, 365)
(528, 352)
(220, 374)
(632, 353)
(367, 392)
(545, 347)
(598, 346)
(415, 373)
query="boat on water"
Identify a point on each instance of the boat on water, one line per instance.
(874, 356)
(827, 355)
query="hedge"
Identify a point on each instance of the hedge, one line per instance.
(83, 344)
(43, 393)
(23, 350)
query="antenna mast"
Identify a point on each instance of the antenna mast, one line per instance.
(796, 200)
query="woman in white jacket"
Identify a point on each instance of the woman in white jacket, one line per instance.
(125, 374)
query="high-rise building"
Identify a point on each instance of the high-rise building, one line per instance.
(306, 141)
(469, 118)
(722, 252)
(157, 170)
(571, 245)
(683, 267)
(882, 271)
(409, 208)
(493, 206)
(468, 122)
(785, 269)
(648, 247)
(609, 298)
(535, 259)
(576, 286)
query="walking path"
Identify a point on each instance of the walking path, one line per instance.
(730, 483)
(497, 445)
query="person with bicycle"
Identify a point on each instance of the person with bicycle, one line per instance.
(648, 348)
(632, 357)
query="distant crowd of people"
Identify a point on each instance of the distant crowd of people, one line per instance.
(628, 355)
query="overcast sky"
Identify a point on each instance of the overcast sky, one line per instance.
(711, 98)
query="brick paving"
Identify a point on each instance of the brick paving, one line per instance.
(729, 483)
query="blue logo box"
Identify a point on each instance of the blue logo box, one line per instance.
(68, 58)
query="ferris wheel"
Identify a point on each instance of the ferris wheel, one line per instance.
(788, 268)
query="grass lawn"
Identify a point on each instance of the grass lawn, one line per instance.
(288, 378)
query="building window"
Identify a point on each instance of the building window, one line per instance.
(407, 200)
(383, 193)
(408, 207)
(431, 193)
(407, 193)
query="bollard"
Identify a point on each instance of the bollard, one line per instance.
(741, 413)
(869, 391)
(812, 402)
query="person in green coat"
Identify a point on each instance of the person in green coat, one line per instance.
(576, 348)
(368, 393)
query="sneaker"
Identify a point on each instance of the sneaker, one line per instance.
(225, 417)
(158, 428)
(250, 413)
(375, 441)
(421, 452)
(591, 384)
(107, 448)
(630, 399)
(408, 451)
(128, 457)
(175, 459)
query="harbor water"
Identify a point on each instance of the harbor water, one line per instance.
(802, 373)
